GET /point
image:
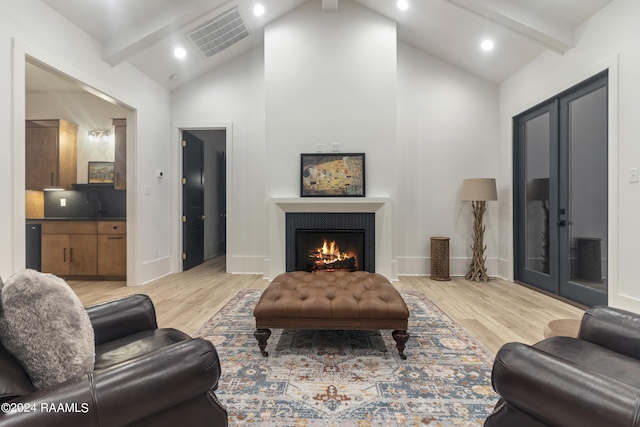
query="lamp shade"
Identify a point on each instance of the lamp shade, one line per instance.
(478, 189)
(538, 189)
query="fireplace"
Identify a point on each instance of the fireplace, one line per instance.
(352, 235)
(379, 230)
(329, 250)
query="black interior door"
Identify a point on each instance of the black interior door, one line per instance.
(222, 194)
(192, 201)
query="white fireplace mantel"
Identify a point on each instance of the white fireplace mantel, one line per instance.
(383, 207)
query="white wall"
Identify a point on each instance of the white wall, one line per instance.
(609, 40)
(447, 131)
(330, 77)
(29, 27)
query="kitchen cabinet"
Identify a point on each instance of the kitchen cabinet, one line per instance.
(112, 248)
(84, 249)
(55, 257)
(70, 248)
(51, 154)
(120, 166)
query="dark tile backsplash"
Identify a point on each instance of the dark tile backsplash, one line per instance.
(82, 202)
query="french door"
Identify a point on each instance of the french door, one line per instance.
(561, 197)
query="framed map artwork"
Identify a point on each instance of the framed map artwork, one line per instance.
(332, 175)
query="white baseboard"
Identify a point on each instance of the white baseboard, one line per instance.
(245, 264)
(154, 269)
(403, 266)
(505, 269)
(421, 266)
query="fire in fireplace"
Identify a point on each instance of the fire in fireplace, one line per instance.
(329, 250)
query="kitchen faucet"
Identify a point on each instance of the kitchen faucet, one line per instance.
(97, 200)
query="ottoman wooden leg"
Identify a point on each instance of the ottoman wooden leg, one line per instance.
(401, 338)
(262, 335)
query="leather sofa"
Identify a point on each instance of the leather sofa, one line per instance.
(143, 376)
(589, 381)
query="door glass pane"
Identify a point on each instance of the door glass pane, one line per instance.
(588, 189)
(536, 135)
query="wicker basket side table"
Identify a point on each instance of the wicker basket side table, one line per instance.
(589, 263)
(439, 258)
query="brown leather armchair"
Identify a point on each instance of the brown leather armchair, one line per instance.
(589, 381)
(143, 376)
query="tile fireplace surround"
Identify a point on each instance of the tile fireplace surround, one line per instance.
(386, 263)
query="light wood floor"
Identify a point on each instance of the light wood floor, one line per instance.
(495, 312)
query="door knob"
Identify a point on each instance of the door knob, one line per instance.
(203, 217)
(561, 222)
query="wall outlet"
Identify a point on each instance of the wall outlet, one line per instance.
(63, 202)
(147, 191)
(335, 147)
(319, 148)
(155, 254)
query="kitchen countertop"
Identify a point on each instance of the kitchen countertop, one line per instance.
(81, 218)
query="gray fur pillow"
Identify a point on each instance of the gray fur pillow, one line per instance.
(44, 325)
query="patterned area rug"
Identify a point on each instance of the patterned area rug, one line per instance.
(351, 378)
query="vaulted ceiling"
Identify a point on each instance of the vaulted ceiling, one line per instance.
(146, 32)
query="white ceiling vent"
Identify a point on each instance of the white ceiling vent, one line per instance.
(219, 33)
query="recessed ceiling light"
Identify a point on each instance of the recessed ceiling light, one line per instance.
(179, 52)
(258, 10)
(403, 4)
(487, 45)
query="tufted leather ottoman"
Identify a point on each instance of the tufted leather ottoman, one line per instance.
(336, 300)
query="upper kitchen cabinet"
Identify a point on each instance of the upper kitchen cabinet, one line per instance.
(120, 168)
(51, 154)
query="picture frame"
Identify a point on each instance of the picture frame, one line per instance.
(332, 175)
(101, 172)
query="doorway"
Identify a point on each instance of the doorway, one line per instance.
(97, 132)
(203, 195)
(561, 193)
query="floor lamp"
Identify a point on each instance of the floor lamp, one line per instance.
(478, 191)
